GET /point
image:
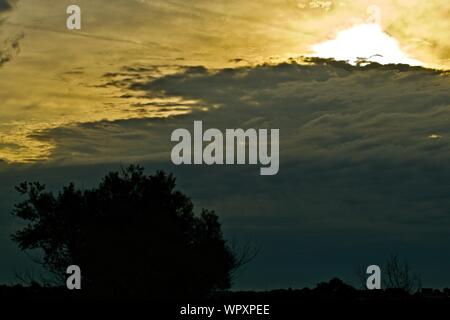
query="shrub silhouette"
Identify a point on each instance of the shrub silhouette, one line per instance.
(133, 235)
(398, 275)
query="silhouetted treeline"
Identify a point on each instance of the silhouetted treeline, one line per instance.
(333, 291)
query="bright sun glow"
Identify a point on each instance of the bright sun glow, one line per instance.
(364, 41)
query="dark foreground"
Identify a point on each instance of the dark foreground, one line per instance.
(327, 298)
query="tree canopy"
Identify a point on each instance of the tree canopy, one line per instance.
(133, 235)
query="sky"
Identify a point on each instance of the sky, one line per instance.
(363, 140)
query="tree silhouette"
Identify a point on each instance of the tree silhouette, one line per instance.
(398, 275)
(395, 274)
(133, 235)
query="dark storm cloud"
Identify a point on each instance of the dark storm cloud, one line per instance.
(361, 136)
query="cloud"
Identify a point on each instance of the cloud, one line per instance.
(360, 136)
(4, 5)
(11, 48)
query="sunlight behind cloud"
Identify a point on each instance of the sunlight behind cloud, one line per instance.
(364, 42)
